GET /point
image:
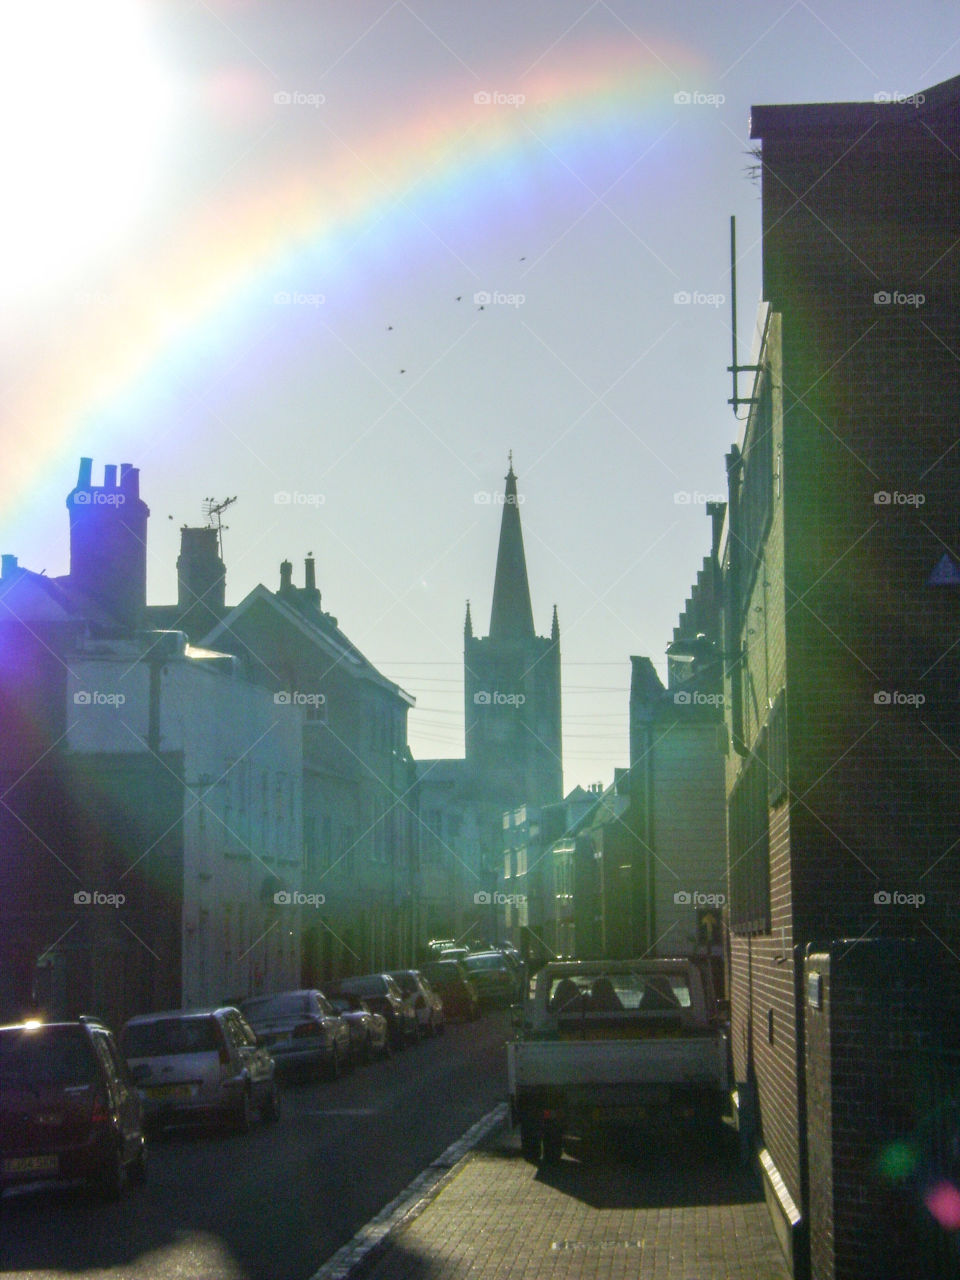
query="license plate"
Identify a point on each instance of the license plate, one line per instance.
(32, 1164)
(169, 1091)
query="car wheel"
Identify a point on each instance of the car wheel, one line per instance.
(530, 1141)
(113, 1177)
(552, 1144)
(243, 1115)
(270, 1111)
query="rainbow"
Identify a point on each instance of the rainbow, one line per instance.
(461, 167)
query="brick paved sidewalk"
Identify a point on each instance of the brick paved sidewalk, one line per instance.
(657, 1215)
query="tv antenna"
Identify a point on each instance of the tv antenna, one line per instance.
(214, 510)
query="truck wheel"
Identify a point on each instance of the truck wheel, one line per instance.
(552, 1144)
(530, 1141)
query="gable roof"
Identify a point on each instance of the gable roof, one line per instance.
(317, 628)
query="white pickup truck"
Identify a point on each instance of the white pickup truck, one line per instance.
(616, 1042)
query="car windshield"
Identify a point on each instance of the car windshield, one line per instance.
(485, 962)
(288, 1005)
(373, 985)
(170, 1036)
(46, 1056)
(406, 982)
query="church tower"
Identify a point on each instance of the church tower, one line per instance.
(512, 686)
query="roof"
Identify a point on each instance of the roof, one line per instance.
(511, 615)
(887, 110)
(317, 627)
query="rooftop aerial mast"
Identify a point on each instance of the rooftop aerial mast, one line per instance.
(213, 511)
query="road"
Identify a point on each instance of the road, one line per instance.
(274, 1203)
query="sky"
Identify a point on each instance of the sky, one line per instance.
(335, 259)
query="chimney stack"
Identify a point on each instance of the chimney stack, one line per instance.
(108, 541)
(286, 577)
(201, 580)
(310, 593)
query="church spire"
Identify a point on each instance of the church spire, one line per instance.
(468, 624)
(511, 617)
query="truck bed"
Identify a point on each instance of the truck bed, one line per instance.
(693, 1060)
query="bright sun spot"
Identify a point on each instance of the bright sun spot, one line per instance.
(86, 109)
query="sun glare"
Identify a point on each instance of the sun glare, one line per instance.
(86, 107)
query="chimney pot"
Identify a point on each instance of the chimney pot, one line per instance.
(286, 575)
(9, 566)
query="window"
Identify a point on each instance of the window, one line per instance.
(749, 841)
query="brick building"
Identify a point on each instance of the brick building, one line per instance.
(843, 668)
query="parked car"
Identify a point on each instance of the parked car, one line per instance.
(455, 987)
(69, 1109)
(301, 1030)
(454, 953)
(200, 1063)
(496, 981)
(427, 1005)
(381, 993)
(369, 1033)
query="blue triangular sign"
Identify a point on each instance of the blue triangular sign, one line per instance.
(946, 574)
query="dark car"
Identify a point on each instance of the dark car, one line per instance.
(427, 1005)
(68, 1107)
(495, 978)
(198, 1064)
(455, 987)
(382, 994)
(369, 1033)
(301, 1030)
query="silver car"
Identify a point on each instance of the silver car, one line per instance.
(200, 1063)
